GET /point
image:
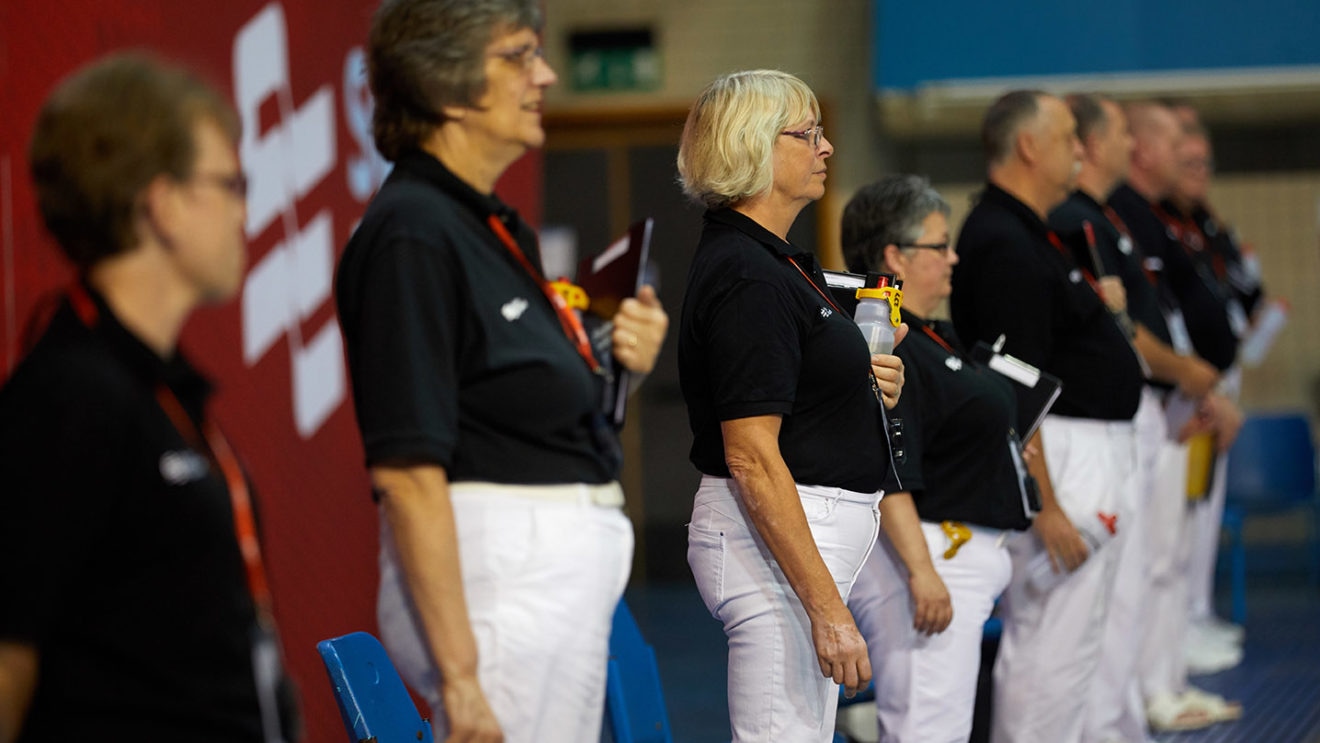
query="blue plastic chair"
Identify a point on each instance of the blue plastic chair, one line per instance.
(634, 699)
(373, 701)
(1271, 469)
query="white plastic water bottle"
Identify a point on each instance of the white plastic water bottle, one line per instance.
(874, 314)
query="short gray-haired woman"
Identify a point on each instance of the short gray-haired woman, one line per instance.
(961, 479)
(503, 546)
(784, 401)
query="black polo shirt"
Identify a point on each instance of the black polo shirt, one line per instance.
(956, 418)
(1229, 260)
(121, 564)
(1119, 253)
(1012, 280)
(1192, 290)
(756, 338)
(456, 356)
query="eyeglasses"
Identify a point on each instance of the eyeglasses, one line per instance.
(236, 184)
(941, 247)
(811, 136)
(524, 56)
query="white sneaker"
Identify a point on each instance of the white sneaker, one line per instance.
(1219, 628)
(858, 722)
(1206, 657)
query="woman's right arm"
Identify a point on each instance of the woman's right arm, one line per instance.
(932, 608)
(751, 449)
(416, 503)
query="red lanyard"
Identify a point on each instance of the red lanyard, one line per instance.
(807, 276)
(936, 337)
(1090, 279)
(1121, 226)
(569, 320)
(207, 439)
(210, 439)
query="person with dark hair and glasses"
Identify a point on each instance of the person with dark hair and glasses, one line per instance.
(504, 547)
(924, 595)
(784, 402)
(135, 602)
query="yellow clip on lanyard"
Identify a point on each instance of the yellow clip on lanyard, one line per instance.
(958, 535)
(574, 295)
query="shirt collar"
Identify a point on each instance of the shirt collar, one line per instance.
(424, 166)
(996, 195)
(175, 372)
(754, 230)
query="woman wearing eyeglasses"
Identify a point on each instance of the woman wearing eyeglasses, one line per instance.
(503, 545)
(924, 594)
(784, 401)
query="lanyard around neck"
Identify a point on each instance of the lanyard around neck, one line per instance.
(936, 337)
(807, 276)
(207, 439)
(1090, 278)
(568, 320)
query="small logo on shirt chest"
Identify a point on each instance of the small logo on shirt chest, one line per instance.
(182, 467)
(1125, 245)
(953, 362)
(825, 312)
(1075, 276)
(514, 308)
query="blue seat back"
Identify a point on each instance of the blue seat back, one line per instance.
(634, 699)
(1272, 462)
(373, 701)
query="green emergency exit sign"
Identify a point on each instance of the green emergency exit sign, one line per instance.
(615, 60)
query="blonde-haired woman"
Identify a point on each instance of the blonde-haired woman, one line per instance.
(784, 401)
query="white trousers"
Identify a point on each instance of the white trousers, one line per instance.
(1116, 710)
(541, 578)
(1207, 521)
(776, 691)
(1051, 646)
(1162, 667)
(925, 685)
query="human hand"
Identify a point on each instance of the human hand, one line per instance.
(841, 651)
(1113, 293)
(469, 714)
(639, 330)
(888, 370)
(1066, 548)
(1226, 418)
(932, 607)
(1198, 378)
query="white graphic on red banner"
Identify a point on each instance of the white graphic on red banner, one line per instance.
(284, 163)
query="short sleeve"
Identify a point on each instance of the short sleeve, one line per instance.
(754, 339)
(401, 315)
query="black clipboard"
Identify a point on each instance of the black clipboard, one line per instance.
(609, 277)
(1035, 390)
(843, 288)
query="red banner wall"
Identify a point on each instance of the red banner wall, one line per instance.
(294, 72)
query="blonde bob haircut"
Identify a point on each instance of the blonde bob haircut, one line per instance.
(726, 153)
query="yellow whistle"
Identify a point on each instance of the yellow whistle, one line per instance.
(958, 536)
(574, 295)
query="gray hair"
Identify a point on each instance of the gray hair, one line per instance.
(887, 212)
(1003, 121)
(423, 55)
